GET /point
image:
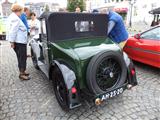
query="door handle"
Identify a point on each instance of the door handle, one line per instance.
(47, 48)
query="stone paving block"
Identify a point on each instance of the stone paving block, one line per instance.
(118, 116)
(133, 116)
(81, 117)
(102, 117)
(74, 116)
(64, 118)
(58, 118)
(92, 117)
(71, 119)
(113, 118)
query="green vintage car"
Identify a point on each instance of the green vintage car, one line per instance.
(84, 64)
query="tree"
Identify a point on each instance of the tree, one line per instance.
(73, 4)
(46, 8)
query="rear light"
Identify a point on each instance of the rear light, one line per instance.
(133, 72)
(74, 90)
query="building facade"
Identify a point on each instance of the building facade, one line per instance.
(6, 8)
(142, 8)
(137, 10)
(1, 14)
(40, 7)
(120, 6)
(102, 4)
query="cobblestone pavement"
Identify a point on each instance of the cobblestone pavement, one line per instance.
(35, 100)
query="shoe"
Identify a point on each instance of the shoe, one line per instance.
(26, 74)
(24, 77)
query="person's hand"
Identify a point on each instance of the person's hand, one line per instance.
(12, 45)
(32, 27)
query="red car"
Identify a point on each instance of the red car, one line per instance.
(145, 47)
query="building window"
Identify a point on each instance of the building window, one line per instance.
(105, 1)
(84, 26)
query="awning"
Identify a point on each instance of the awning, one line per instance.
(120, 10)
(155, 11)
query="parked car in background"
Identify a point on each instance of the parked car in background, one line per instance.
(145, 47)
(156, 14)
(74, 52)
(3, 24)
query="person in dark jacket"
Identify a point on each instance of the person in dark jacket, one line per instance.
(116, 28)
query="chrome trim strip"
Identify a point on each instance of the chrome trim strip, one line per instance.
(147, 51)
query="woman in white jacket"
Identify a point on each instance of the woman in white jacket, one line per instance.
(17, 35)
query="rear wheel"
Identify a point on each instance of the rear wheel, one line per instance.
(60, 89)
(34, 59)
(106, 71)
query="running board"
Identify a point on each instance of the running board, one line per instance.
(43, 68)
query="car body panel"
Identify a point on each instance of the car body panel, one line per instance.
(144, 50)
(77, 53)
(86, 47)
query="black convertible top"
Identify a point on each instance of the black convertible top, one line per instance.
(65, 25)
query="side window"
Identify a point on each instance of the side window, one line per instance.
(153, 34)
(43, 28)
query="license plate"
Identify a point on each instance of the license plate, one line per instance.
(112, 94)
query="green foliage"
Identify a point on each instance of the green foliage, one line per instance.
(73, 4)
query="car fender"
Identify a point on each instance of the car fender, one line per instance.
(35, 45)
(131, 73)
(68, 75)
(126, 59)
(132, 78)
(69, 79)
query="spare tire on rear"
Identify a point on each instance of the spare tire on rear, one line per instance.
(106, 71)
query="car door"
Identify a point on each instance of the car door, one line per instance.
(44, 61)
(148, 46)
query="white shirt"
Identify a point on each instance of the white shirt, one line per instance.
(17, 31)
(34, 27)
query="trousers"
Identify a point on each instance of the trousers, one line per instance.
(21, 52)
